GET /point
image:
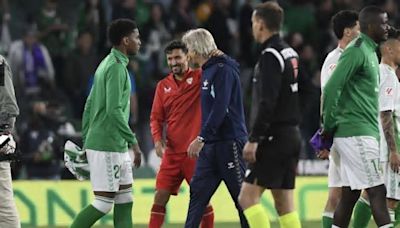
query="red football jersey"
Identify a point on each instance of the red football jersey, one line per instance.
(177, 105)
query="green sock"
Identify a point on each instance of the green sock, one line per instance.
(87, 217)
(257, 217)
(327, 219)
(123, 215)
(362, 214)
(397, 216)
(290, 220)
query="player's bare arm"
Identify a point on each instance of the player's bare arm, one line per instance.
(137, 155)
(388, 130)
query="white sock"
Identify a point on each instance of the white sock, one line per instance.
(387, 226)
(392, 215)
(123, 196)
(103, 204)
(363, 200)
(328, 214)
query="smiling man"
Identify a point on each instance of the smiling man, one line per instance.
(176, 109)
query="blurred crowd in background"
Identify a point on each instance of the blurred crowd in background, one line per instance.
(54, 47)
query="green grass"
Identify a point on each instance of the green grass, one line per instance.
(314, 224)
(236, 225)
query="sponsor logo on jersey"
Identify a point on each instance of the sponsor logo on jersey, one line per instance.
(167, 89)
(205, 85)
(295, 65)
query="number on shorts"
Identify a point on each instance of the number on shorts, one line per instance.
(117, 169)
(375, 166)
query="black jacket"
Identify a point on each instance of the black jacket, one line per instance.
(275, 101)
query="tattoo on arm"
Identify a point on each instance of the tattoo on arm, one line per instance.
(388, 130)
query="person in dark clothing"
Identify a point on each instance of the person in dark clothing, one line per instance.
(223, 131)
(182, 16)
(274, 142)
(218, 25)
(80, 66)
(246, 53)
(40, 143)
(92, 18)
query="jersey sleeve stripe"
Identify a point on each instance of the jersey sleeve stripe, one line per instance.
(277, 55)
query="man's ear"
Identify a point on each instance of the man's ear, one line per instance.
(261, 26)
(346, 32)
(389, 50)
(125, 40)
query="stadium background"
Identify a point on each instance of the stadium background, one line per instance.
(74, 35)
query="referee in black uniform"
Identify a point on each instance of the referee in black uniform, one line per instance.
(274, 142)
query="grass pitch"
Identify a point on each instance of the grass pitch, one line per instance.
(312, 224)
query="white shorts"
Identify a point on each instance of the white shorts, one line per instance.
(109, 170)
(359, 161)
(334, 180)
(392, 181)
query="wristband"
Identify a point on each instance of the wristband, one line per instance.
(200, 139)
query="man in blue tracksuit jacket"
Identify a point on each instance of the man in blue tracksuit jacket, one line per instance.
(223, 132)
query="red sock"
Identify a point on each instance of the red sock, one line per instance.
(208, 218)
(157, 216)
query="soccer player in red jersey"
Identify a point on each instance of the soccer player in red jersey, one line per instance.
(176, 110)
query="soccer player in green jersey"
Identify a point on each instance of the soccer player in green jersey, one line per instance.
(346, 28)
(389, 107)
(106, 133)
(350, 114)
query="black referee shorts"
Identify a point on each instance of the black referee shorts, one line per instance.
(276, 159)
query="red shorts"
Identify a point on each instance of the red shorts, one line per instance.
(173, 169)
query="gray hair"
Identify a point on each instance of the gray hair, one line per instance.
(200, 41)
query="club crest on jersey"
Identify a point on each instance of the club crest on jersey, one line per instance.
(167, 89)
(189, 80)
(205, 85)
(294, 87)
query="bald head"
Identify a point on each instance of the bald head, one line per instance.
(369, 15)
(390, 49)
(374, 22)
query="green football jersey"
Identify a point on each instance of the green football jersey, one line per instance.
(105, 119)
(351, 94)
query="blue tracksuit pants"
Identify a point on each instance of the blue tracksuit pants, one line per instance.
(219, 161)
